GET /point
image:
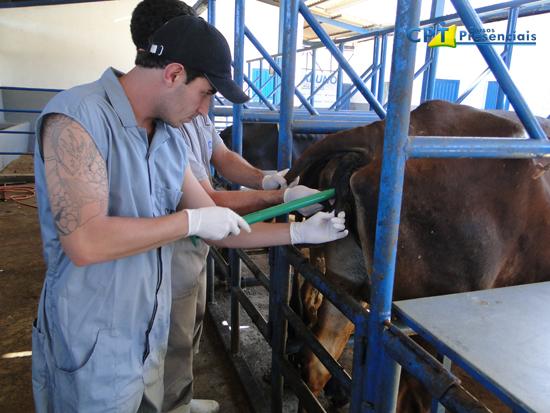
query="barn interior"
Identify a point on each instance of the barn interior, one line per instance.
(331, 65)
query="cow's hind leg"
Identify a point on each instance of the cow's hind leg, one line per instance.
(332, 330)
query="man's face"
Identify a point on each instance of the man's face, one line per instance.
(187, 101)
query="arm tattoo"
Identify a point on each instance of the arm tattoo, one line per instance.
(75, 172)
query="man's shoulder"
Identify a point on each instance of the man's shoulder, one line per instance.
(70, 101)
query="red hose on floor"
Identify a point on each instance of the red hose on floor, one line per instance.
(17, 193)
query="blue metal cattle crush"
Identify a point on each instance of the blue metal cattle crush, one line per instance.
(376, 366)
(380, 348)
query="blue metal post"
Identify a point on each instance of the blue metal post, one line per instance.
(327, 41)
(381, 386)
(382, 77)
(473, 24)
(432, 55)
(284, 154)
(280, 277)
(313, 72)
(340, 79)
(212, 21)
(237, 144)
(375, 64)
(510, 29)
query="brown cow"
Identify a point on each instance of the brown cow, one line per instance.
(466, 224)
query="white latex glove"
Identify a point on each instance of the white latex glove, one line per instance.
(278, 181)
(300, 191)
(215, 223)
(321, 227)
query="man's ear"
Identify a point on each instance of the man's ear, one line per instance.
(174, 74)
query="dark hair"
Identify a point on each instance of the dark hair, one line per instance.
(149, 60)
(150, 15)
(147, 17)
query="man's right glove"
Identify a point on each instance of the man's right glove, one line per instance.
(300, 191)
(321, 227)
(277, 181)
(215, 223)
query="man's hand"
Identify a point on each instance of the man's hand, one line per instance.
(300, 191)
(321, 227)
(277, 181)
(215, 223)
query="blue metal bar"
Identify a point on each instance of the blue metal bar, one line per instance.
(381, 389)
(325, 38)
(476, 82)
(508, 48)
(259, 93)
(20, 111)
(302, 81)
(236, 141)
(343, 97)
(212, 20)
(500, 71)
(432, 55)
(277, 69)
(311, 98)
(30, 89)
(33, 3)
(340, 79)
(342, 25)
(16, 153)
(422, 69)
(284, 153)
(236, 145)
(263, 115)
(476, 147)
(14, 132)
(376, 64)
(273, 91)
(367, 74)
(381, 79)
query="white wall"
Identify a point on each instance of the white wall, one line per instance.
(63, 45)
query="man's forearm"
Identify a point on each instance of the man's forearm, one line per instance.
(262, 235)
(244, 202)
(236, 169)
(110, 238)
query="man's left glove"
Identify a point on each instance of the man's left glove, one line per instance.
(321, 227)
(300, 191)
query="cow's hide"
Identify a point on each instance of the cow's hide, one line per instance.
(466, 224)
(260, 143)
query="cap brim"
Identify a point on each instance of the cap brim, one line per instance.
(229, 89)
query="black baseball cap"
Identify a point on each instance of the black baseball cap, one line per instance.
(198, 45)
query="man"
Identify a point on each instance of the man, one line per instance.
(189, 262)
(114, 191)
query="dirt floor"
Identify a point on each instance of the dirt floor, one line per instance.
(21, 274)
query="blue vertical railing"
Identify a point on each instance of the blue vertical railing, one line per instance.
(507, 55)
(381, 386)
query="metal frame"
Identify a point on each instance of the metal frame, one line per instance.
(376, 375)
(376, 367)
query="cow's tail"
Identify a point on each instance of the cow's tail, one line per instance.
(361, 141)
